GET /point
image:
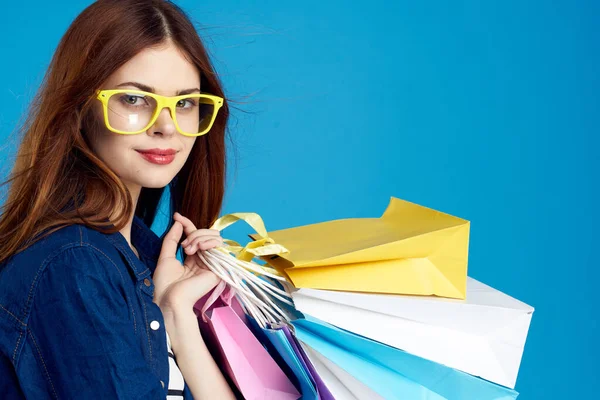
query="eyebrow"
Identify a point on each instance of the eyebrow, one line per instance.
(150, 89)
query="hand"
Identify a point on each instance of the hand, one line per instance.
(179, 285)
(197, 239)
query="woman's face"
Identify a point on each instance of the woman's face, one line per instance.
(167, 71)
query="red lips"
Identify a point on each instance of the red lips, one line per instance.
(158, 156)
(160, 152)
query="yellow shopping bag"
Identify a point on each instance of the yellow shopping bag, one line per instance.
(410, 249)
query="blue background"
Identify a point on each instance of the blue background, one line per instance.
(484, 110)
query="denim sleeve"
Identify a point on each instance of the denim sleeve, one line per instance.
(82, 330)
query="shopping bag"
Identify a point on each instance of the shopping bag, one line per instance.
(390, 372)
(284, 348)
(483, 335)
(410, 249)
(238, 351)
(323, 391)
(341, 384)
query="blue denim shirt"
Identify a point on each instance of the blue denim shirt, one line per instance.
(77, 318)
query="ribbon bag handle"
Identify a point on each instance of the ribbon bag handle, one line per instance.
(252, 219)
(221, 291)
(262, 247)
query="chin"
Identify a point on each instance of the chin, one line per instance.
(155, 181)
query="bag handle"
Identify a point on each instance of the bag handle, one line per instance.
(265, 246)
(243, 278)
(222, 291)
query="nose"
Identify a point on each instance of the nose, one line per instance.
(164, 124)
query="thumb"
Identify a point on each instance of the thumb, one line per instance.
(171, 241)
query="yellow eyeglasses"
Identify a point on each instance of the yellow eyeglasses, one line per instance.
(129, 112)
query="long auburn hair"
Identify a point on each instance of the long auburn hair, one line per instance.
(56, 179)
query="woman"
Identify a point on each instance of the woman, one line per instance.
(90, 298)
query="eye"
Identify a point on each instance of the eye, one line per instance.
(133, 100)
(183, 102)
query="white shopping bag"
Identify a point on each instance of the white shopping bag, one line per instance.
(483, 335)
(341, 384)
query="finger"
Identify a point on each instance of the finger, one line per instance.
(202, 239)
(202, 245)
(209, 244)
(171, 240)
(201, 233)
(188, 225)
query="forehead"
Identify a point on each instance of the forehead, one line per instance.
(164, 68)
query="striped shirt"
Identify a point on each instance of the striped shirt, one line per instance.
(176, 382)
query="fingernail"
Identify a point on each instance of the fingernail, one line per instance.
(184, 242)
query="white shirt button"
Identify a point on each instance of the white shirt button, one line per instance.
(154, 325)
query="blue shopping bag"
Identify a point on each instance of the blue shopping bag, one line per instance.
(285, 350)
(390, 372)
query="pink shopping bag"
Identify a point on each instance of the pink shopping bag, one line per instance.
(237, 350)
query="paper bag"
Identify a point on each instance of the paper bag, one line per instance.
(240, 354)
(410, 249)
(284, 347)
(483, 335)
(389, 372)
(342, 385)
